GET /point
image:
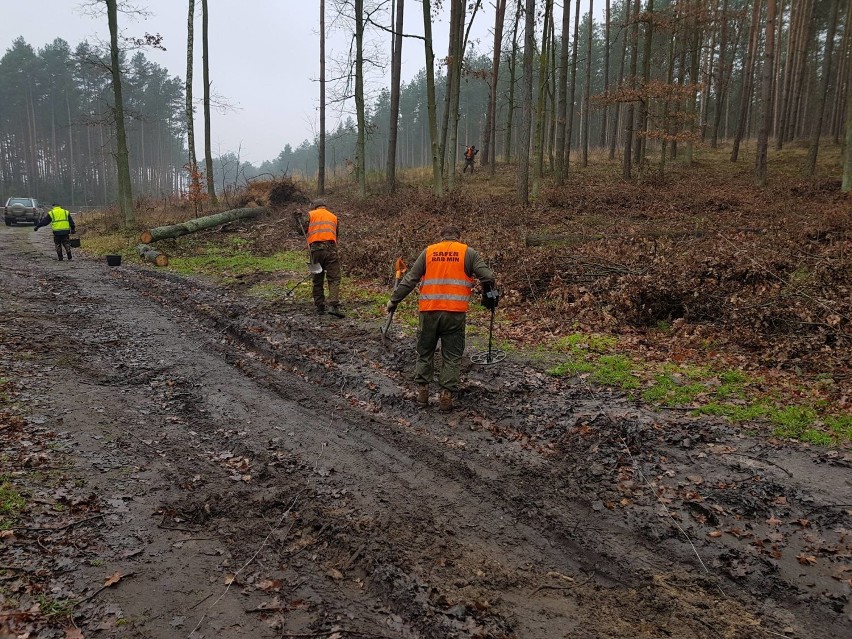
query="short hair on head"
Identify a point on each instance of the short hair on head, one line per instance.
(450, 232)
(318, 203)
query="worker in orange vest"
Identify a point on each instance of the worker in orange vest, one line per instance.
(446, 273)
(469, 156)
(322, 241)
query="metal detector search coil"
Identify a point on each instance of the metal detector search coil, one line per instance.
(491, 356)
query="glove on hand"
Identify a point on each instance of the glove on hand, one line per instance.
(490, 298)
(390, 307)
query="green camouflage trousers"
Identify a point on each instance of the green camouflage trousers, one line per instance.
(449, 327)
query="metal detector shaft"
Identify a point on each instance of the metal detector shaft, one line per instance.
(490, 335)
(386, 326)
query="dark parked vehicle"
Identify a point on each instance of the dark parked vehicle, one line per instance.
(22, 209)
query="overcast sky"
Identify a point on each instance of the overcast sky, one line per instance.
(263, 57)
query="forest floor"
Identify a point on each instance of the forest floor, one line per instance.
(186, 452)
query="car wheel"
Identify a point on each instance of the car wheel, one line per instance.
(8, 222)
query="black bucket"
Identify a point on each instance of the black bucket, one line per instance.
(113, 260)
(75, 242)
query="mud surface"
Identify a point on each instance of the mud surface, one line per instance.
(249, 470)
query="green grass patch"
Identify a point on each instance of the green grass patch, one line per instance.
(11, 504)
(615, 370)
(666, 390)
(226, 265)
(840, 426)
(109, 244)
(608, 370)
(55, 607)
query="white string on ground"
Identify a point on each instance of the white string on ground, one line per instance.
(265, 539)
(635, 464)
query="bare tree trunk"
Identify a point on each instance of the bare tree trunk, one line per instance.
(627, 160)
(489, 146)
(448, 92)
(720, 77)
(642, 139)
(694, 58)
(846, 185)
(766, 101)
(321, 141)
(796, 88)
(587, 97)
(208, 150)
(619, 110)
(602, 140)
(569, 131)
(190, 123)
(538, 146)
(748, 78)
(523, 188)
(456, 61)
(562, 109)
(431, 107)
(361, 144)
(396, 75)
(125, 194)
(512, 63)
(822, 94)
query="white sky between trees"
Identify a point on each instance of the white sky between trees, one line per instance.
(264, 57)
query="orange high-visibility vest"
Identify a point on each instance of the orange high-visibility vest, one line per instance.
(445, 286)
(468, 153)
(322, 226)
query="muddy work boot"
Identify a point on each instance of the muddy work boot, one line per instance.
(445, 402)
(335, 310)
(422, 398)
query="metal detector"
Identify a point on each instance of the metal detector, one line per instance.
(386, 327)
(491, 356)
(313, 269)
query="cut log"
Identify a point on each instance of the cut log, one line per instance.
(152, 255)
(198, 224)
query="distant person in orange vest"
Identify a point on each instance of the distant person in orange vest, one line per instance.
(322, 241)
(62, 225)
(469, 156)
(446, 273)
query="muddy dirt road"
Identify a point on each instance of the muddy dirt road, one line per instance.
(250, 470)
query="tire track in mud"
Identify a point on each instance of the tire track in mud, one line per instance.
(457, 527)
(270, 350)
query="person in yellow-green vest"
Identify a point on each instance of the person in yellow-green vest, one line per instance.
(62, 225)
(445, 272)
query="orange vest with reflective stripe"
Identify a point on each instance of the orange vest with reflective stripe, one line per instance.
(445, 286)
(322, 226)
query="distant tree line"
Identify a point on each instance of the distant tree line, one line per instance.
(57, 134)
(645, 86)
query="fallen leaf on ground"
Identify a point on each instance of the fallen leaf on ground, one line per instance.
(806, 560)
(114, 579)
(73, 633)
